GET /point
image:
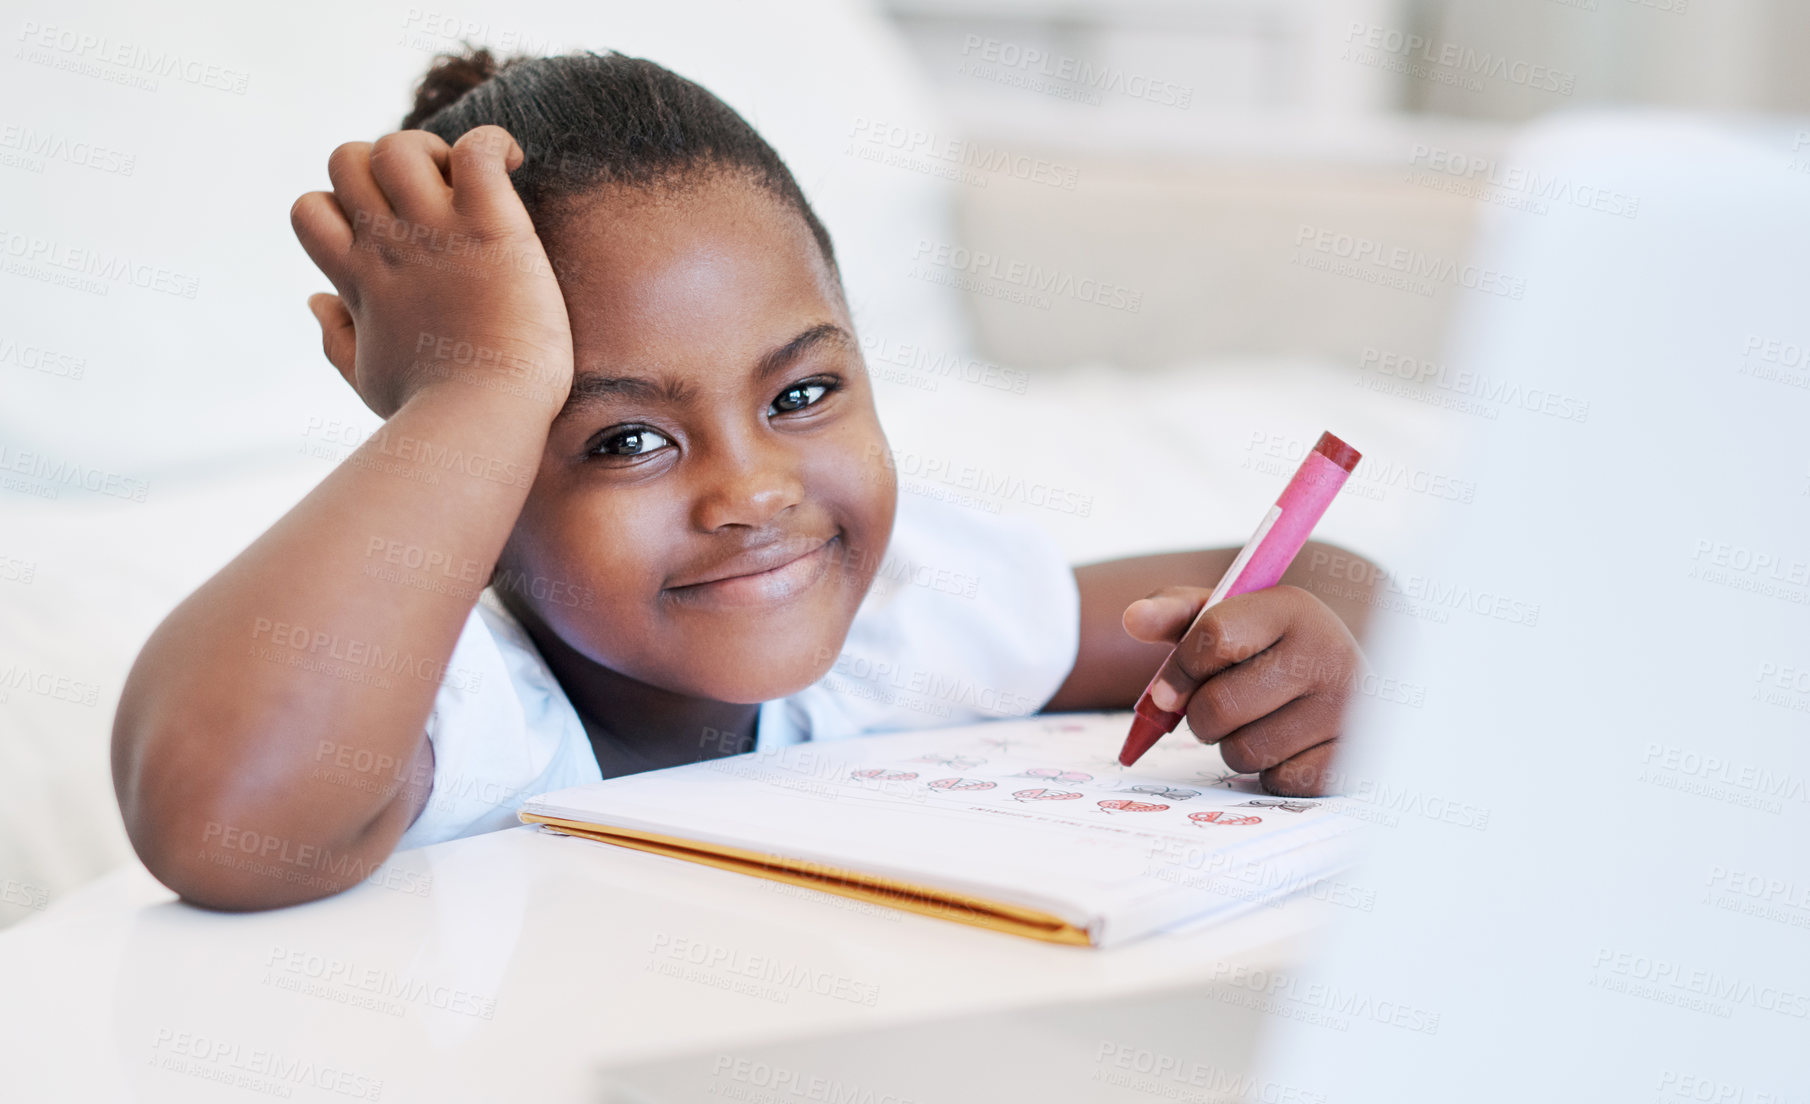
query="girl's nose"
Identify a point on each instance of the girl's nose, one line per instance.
(750, 486)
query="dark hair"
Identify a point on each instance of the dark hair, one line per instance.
(589, 120)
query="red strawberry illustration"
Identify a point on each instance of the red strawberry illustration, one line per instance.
(1219, 816)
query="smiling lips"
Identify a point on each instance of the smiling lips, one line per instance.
(762, 576)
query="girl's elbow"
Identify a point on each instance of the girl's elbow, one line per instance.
(212, 846)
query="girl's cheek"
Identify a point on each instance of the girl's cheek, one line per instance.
(568, 552)
(867, 488)
(863, 466)
(615, 546)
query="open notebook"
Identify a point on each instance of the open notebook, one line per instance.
(1027, 826)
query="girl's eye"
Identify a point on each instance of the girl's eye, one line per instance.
(800, 395)
(632, 441)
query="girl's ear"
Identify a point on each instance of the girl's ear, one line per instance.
(337, 338)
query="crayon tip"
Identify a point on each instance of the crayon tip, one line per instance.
(1144, 734)
(1337, 451)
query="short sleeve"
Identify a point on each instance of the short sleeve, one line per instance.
(973, 616)
(502, 730)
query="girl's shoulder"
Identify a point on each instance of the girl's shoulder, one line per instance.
(972, 616)
(502, 729)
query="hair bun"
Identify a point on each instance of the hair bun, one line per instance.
(451, 76)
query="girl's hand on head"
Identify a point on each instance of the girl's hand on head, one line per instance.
(1266, 676)
(442, 279)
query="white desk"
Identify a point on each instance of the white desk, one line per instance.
(522, 966)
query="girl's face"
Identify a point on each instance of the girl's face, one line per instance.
(715, 497)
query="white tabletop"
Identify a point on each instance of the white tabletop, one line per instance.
(516, 965)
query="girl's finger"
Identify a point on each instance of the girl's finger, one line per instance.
(482, 159)
(355, 189)
(1231, 632)
(414, 169)
(338, 338)
(1277, 737)
(325, 234)
(1310, 773)
(1241, 694)
(1163, 616)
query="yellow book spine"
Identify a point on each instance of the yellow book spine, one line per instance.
(924, 900)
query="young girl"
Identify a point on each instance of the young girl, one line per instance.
(621, 389)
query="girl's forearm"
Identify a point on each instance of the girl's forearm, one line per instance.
(269, 746)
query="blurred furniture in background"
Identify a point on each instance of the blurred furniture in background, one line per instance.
(1725, 55)
(1187, 145)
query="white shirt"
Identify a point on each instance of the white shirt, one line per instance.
(972, 616)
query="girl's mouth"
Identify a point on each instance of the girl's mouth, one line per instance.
(748, 581)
